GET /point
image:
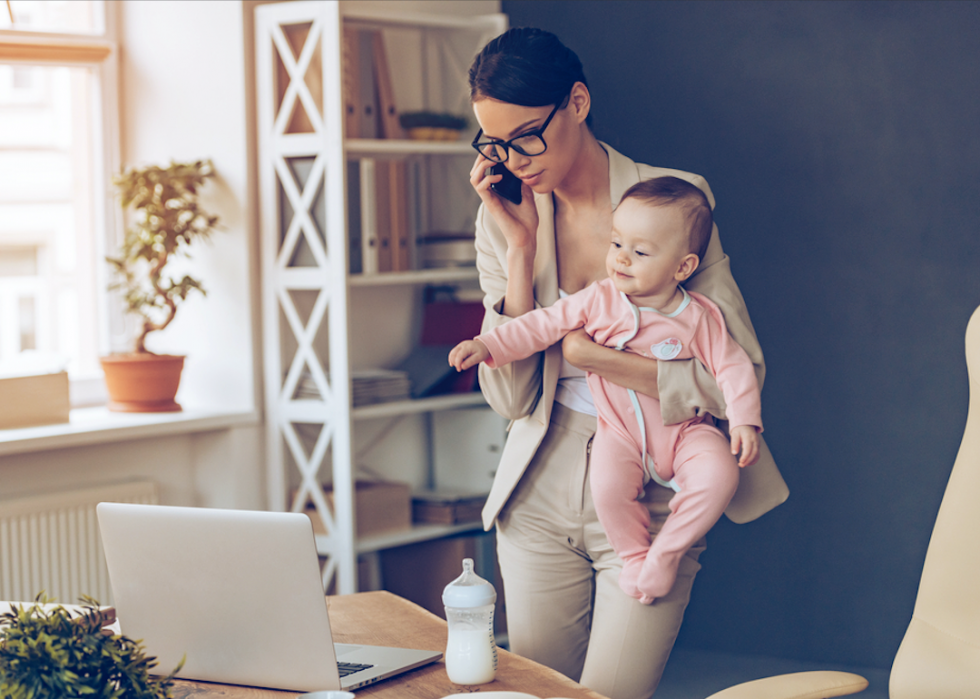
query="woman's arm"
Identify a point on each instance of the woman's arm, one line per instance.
(690, 390)
(517, 225)
(622, 368)
(505, 263)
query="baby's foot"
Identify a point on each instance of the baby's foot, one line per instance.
(657, 575)
(630, 574)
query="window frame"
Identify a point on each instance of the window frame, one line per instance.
(99, 52)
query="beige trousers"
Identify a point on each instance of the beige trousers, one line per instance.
(564, 605)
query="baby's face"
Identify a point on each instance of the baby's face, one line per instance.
(648, 245)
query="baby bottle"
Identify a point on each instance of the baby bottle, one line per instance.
(471, 652)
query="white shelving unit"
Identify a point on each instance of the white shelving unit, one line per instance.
(308, 322)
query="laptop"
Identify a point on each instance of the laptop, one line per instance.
(238, 595)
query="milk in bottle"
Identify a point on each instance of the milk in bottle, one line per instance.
(471, 652)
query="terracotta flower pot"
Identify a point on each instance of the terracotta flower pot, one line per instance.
(142, 382)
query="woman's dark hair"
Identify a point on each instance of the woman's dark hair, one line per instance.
(525, 66)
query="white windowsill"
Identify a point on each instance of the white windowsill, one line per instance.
(88, 426)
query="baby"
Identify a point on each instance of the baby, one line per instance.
(661, 230)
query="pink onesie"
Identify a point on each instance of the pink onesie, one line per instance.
(693, 457)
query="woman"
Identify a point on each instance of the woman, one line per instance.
(564, 606)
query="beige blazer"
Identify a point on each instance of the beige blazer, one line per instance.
(524, 391)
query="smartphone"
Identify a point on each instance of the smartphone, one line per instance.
(509, 187)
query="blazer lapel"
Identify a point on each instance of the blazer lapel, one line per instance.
(545, 258)
(623, 174)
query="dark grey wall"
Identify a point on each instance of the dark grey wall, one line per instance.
(841, 142)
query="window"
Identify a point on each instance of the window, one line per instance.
(57, 145)
(68, 16)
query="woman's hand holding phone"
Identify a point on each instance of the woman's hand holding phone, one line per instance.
(509, 185)
(518, 222)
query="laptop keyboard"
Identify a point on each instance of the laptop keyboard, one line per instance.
(351, 668)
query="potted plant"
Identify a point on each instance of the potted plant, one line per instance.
(167, 219)
(47, 651)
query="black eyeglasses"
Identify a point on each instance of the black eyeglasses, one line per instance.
(530, 143)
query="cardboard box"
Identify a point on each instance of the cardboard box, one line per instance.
(442, 507)
(41, 399)
(379, 507)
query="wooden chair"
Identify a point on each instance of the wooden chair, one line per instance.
(940, 655)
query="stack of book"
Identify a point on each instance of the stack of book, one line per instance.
(367, 386)
(379, 386)
(447, 249)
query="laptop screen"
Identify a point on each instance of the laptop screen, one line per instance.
(237, 594)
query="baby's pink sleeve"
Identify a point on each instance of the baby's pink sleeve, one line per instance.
(731, 366)
(536, 331)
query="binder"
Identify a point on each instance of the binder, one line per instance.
(379, 228)
(383, 213)
(355, 251)
(401, 239)
(367, 91)
(414, 209)
(388, 124)
(382, 223)
(369, 221)
(367, 115)
(351, 91)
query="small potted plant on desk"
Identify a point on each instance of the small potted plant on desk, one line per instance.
(47, 650)
(167, 219)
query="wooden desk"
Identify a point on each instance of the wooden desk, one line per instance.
(384, 619)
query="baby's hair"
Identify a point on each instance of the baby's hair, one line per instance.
(666, 191)
(525, 66)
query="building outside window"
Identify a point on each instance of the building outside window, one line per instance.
(58, 146)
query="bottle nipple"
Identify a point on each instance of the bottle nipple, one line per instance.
(469, 589)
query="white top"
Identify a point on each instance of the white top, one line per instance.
(573, 390)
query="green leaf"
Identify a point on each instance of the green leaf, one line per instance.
(167, 219)
(49, 654)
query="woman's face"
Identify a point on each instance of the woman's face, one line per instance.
(504, 121)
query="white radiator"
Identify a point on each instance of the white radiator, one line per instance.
(51, 542)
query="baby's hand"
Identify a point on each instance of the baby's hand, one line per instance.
(745, 438)
(468, 353)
